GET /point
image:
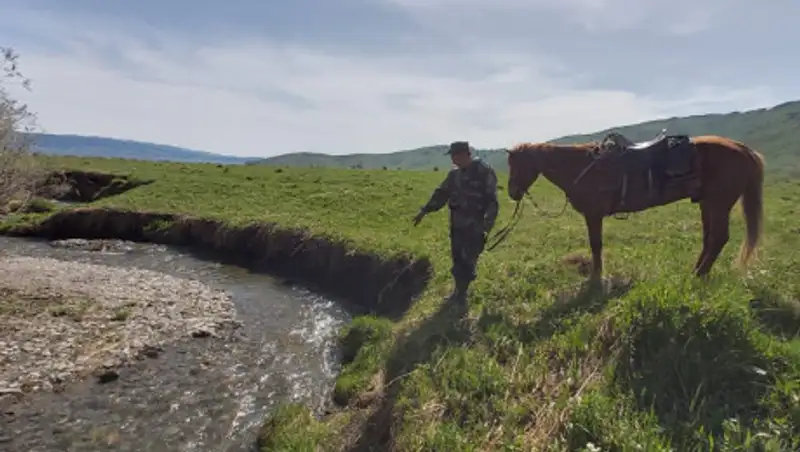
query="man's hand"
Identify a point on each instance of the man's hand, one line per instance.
(418, 217)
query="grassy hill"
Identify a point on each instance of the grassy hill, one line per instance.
(421, 158)
(775, 131)
(657, 361)
(89, 146)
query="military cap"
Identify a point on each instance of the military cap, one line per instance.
(458, 146)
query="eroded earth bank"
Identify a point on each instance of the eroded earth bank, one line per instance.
(111, 345)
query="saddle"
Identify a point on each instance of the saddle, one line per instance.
(660, 159)
(616, 141)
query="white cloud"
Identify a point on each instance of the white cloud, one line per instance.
(680, 17)
(258, 97)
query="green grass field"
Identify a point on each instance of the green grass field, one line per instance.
(658, 361)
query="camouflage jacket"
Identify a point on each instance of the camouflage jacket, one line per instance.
(471, 194)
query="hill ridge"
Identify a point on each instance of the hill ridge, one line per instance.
(101, 146)
(772, 130)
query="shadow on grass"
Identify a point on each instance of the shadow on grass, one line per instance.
(589, 298)
(693, 370)
(446, 328)
(779, 315)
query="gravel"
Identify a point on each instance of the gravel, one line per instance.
(62, 320)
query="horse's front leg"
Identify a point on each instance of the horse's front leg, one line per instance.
(594, 226)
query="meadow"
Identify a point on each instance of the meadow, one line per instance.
(656, 361)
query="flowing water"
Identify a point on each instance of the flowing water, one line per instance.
(204, 394)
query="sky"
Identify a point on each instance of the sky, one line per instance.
(267, 77)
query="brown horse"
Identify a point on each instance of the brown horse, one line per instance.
(601, 179)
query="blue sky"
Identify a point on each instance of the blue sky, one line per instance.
(260, 78)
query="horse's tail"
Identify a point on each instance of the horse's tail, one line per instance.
(753, 209)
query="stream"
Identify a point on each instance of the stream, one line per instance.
(200, 394)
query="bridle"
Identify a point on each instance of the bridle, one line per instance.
(501, 235)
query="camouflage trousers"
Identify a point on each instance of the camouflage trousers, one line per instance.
(466, 246)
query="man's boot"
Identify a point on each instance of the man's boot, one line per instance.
(460, 292)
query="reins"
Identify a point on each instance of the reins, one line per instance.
(596, 155)
(502, 234)
(545, 214)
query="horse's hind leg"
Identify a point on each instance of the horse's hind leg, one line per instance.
(718, 234)
(706, 227)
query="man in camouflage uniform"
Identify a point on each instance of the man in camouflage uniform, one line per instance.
(470, 190)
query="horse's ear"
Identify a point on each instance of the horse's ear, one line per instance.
(507, 151)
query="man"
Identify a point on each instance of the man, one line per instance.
(470, 190)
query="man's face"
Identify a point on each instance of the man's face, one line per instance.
(461, 159)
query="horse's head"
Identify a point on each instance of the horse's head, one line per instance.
(522, 170)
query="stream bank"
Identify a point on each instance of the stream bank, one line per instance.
(368, 282)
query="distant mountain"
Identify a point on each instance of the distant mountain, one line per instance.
(774, 131)
(90, 146)
(421, 158)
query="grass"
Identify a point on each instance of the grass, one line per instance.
(656, 360)
(15, 304)
(121, 314)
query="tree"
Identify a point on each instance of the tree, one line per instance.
(18, 170)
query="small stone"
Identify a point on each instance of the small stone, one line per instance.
(107, 376)
(150, 351)
(6, 402)
(201, 333)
